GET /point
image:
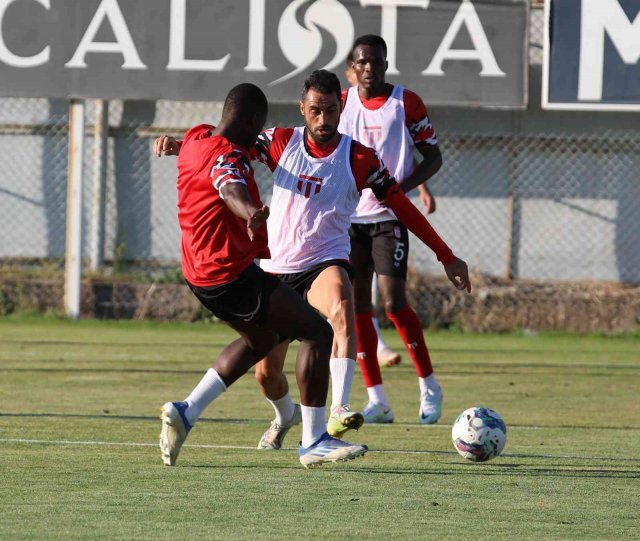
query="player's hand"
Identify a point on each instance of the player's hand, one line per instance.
(458, 274)
(257, 220)
(427, 199)
(166, 146)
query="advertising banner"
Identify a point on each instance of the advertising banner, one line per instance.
(453, 52)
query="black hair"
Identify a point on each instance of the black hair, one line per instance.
(371, 40)
(323, 81)
(245, 100)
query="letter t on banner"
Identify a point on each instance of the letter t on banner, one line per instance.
(389, 25)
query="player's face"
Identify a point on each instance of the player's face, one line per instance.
(321, 114)
(370, 65)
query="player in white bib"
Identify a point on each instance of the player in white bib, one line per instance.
(387, 356)
(320, 176)
(394, 122)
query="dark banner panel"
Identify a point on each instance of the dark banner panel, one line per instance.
(453, 52)
(592, 55)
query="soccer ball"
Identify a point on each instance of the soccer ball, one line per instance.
(479, 434)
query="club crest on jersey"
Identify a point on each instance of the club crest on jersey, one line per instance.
(396, 231)
(371, 135)
(309, 185)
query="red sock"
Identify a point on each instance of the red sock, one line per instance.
(408, 326)
(368, 350)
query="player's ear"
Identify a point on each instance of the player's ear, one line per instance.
(302, 108)
(386, 65)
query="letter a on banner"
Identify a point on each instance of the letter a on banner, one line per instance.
(481, 51)
(108, 9)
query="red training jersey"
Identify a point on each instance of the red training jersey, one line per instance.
(215, 245)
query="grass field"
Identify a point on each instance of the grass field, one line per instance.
(79, 427)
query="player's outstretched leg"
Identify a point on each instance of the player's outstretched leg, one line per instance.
(317, 445)
(312, 376)
(331, 293)
(178, 418)
(175, 429)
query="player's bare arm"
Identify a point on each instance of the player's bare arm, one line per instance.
(427, 199)
(429, 166)
(237, 198)
(166, 145)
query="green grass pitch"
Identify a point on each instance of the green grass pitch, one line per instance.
(79, 404)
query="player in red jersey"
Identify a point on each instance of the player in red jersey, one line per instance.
(394, 121)
(222, 222)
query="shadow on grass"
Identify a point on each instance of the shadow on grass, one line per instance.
(458, 469)
(154, 419)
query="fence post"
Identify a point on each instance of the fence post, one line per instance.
(73, 262)
(98, 203)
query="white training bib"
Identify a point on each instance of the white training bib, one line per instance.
(384, 130)
(311, 206)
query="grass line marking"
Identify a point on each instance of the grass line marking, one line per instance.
(252, 448)
(233, 421)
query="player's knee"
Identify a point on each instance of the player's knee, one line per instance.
(395, 303)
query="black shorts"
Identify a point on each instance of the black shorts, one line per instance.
(387, 244)
(246, 298)
(301, 282)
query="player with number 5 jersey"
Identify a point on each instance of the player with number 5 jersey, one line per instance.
(394, 121)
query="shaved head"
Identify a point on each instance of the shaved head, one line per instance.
(245, 100)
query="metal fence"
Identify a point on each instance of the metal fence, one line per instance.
(522, 194)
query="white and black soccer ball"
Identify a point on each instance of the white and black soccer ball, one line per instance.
(479, 434)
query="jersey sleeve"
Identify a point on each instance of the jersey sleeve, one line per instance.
(230, 167)
(417, 121)
(343, 98)
(270, 145)
(369, 171)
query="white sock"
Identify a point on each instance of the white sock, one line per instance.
(428, 383)
(381, 343)
(284, 408)
(314, 424)
(210, 387)
(377, 395)
(342, 369)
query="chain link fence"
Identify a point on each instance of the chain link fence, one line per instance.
(522, 195)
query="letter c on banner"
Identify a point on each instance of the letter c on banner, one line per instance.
(12, 59)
